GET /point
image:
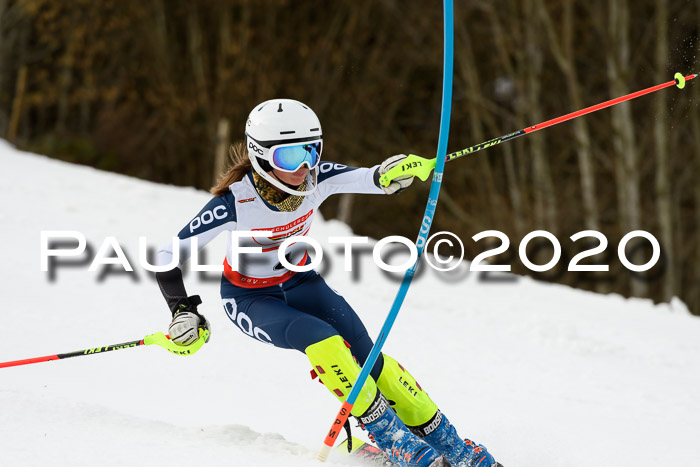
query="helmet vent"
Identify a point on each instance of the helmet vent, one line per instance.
(287, 132)
(280, 108)
(315, 129)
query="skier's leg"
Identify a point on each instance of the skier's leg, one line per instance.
(407, 397)
(421, 415)
(311, 294)
(337, 369)
(269, 319)
(333, 362)
(266, 315)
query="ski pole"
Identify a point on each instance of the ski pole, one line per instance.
(439, 164)
(158, 339)
(421, 167)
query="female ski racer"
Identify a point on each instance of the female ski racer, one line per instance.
(278, 188)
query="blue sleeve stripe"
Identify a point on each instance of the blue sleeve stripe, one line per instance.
(330, 169)
(218, 211)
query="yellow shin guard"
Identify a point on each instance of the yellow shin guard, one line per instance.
(338, 371)
(413, 405)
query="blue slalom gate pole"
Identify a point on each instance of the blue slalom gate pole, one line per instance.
(426, 223)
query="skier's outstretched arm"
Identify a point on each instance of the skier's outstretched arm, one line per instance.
(217, 216)
(336, 178)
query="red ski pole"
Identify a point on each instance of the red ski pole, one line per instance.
(421, 167)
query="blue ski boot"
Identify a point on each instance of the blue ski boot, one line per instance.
(398, 443)
(441, 435)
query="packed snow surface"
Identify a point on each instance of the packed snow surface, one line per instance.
(543, 375)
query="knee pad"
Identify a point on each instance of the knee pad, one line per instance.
(411, 403)
(338, 371)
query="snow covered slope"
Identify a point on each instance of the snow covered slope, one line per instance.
(543, 375)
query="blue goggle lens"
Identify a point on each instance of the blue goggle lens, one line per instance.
(291, 158)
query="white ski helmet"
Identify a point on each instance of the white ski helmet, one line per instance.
(284, 134)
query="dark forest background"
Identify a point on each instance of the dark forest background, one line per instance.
(155, 89)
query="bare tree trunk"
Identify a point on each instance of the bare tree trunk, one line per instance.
(485, 185)
(223, 141)
(17, 104)
(545, 200)
(197, 57)
(664, 204)
(222, 65)
(324, 91)
(514, 173)
(160, 20)
(693, 299)
(4, 50)
(202, 166)
(583, 137)
(88, 95)
(3, 7)
(164, 75)
(562, 50)
(456, 210)
(64, 87)
(564, 56)
(626, 160)
(21, 39)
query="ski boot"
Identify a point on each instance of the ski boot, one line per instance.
(400, 445)
(421, 415)
(442, 436)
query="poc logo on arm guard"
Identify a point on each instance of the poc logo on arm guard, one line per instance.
(207, 217)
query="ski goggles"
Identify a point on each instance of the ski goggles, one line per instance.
(290, 157)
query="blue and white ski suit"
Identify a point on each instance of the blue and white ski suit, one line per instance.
(263, 299)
